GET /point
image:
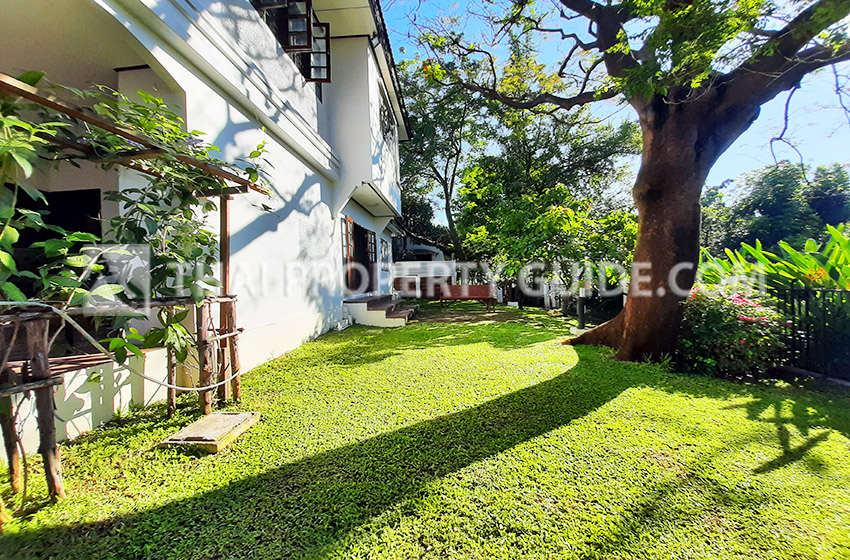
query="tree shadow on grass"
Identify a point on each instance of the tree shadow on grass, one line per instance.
(304, 507)
(308, 507)
(782, 406)
(771, 411)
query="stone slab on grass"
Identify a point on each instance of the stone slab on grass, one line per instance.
(214, 432)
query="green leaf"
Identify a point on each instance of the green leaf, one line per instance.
(31, 78)
(78, 261)
(8, 262)
(107, 290)
(54, 247)
(10, 236)
(134, 349)
(79, 236)
(12, 292)
(23, 163)
(33, 192)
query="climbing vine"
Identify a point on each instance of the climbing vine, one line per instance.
(168, 214)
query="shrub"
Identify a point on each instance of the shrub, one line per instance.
(725, 334)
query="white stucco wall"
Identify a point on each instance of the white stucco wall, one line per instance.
(91, 396)
(219, 62)
(384, 154)
(346, 101)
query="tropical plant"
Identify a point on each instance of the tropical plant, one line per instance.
(167, 215)
(817, 265)
(22, 143)
(725, 334)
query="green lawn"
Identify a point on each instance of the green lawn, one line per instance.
(482, 440)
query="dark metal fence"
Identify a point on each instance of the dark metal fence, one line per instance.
(817, 331)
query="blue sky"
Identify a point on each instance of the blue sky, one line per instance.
(818, 127)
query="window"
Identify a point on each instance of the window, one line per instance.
(289, 21)
(301, 34)
(385, 255)
(371, 247)
(388, 122)
(347, 231)
(318, 60)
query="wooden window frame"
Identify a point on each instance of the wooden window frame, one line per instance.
(385, 255)
(307, 18)
(279, 17)
(347, 226)
(308, 67)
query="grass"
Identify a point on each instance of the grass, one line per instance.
(465, 440)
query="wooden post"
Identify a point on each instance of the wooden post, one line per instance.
(172, 380)
(224, 248)
(202, 316)
(44, 405)
(229, 309)
(580, 308)
(171, 374)
(222, 390)
(10, 441)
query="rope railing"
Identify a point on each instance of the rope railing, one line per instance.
(100, 348)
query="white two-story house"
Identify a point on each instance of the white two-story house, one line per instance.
(315, 79)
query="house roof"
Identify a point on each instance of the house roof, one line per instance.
(352, 18)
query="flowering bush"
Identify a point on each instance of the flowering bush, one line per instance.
(725, 334)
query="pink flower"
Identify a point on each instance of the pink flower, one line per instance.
(743, 341)
(741, 300)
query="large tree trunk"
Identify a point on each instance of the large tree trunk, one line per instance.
(680, 144)
(460, 254)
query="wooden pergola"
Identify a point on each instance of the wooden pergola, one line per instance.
(41, 374)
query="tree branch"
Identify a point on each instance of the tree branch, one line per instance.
(749, 86)
(587, 8)
(781, 138)
(781, 53)
(609, 22)
(539, 99)
(840, 93)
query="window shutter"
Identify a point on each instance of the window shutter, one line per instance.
(373, 250)
(298, 34)
(317, 62)
(290, 22)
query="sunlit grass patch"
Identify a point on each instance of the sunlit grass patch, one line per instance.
(482, 439)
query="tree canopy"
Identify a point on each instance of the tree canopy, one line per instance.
(777, 202)
(696, 73)
(447, 127)
(547, 191)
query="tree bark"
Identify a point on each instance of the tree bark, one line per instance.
(10, 442)
(44, 404)
(460, 254)
(680, 144)
(202, 321)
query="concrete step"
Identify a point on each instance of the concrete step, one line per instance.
(386, 306)
(402, 312)
(376, 311)
(372, 302)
